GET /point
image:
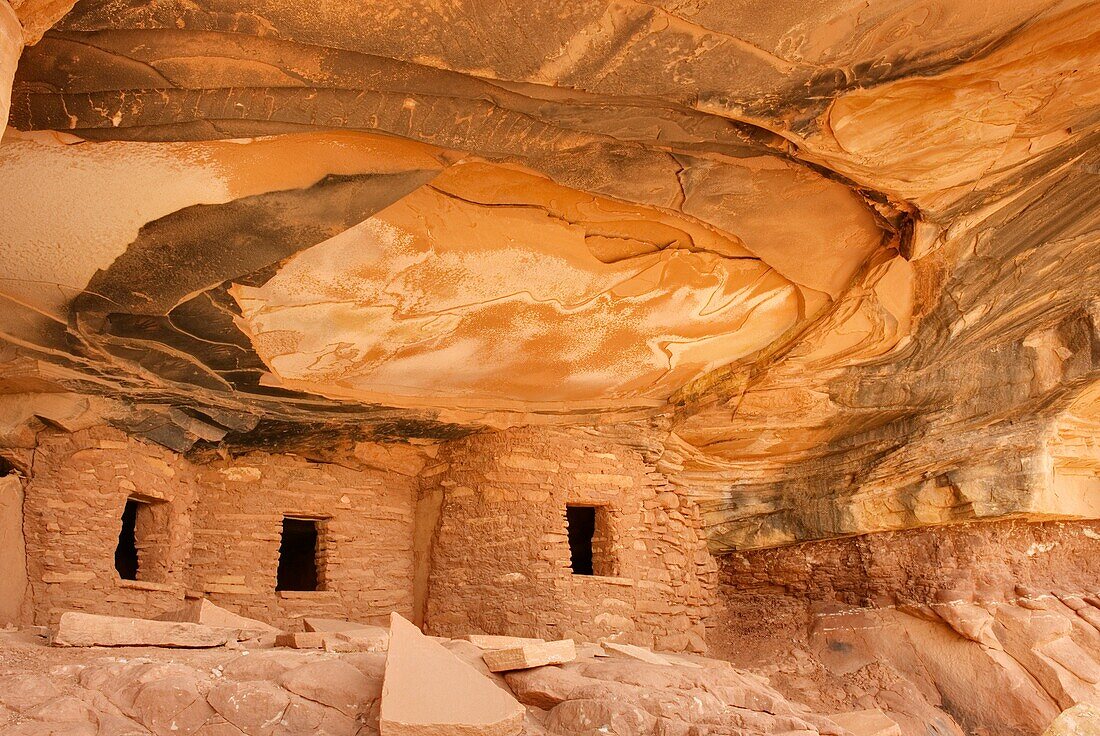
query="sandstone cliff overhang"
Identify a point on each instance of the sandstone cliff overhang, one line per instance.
(839, 265)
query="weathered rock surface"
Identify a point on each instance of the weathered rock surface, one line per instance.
(280, 692)
(630, 698)
(998, 633)
(271, 693)
(859, 671)
(867, 723)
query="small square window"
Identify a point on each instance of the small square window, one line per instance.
(299, 567)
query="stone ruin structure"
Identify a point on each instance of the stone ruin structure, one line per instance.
(752, 348)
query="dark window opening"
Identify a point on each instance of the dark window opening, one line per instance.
(581, 523)
(126, 554)
(6, 466)
(298, 556)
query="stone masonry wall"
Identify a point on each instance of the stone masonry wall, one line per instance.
(219, 531)
(366, 537)
(501, 562)
(72, 516)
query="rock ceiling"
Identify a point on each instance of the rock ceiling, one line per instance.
(838, 252)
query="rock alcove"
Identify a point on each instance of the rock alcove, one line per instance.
(795, 300)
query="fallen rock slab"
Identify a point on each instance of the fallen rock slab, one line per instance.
(303, 639)
(634, 652)
(369, 639)
(531, 655)
(867, 723)
(333, 625)
(493, 641)
(202, 611)
(91, 630)
(427, 690)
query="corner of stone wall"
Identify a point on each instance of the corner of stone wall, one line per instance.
(14, 594)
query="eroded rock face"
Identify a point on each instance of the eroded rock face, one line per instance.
(962, 629)
(607, 270)
(834, 255)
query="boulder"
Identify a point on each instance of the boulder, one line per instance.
(1082, 719)
(530, 655)
(264, 665)
(544, 688)
(427, 690)
(90, 630)
(63, 716)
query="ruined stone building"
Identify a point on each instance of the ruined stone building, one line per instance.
(383, 528)
(765, 331)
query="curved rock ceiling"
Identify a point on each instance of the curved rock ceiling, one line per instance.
(494, 287)
(839, 257)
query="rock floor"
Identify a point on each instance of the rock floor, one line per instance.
(223, 692)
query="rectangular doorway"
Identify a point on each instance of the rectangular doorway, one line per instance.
(581, 524)
(298, 555)
(142, 549)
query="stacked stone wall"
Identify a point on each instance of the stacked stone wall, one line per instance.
(366, 531)
(72, 517)
(497, 557)
(218, 531)
(501, 562)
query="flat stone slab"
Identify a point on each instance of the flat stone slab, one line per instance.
(493, 641)
(635, 652)
(312, 623)
(90, 630)
(531, 655)
(303, 639)
(428, 691)
(202, 611)
(369, 639)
